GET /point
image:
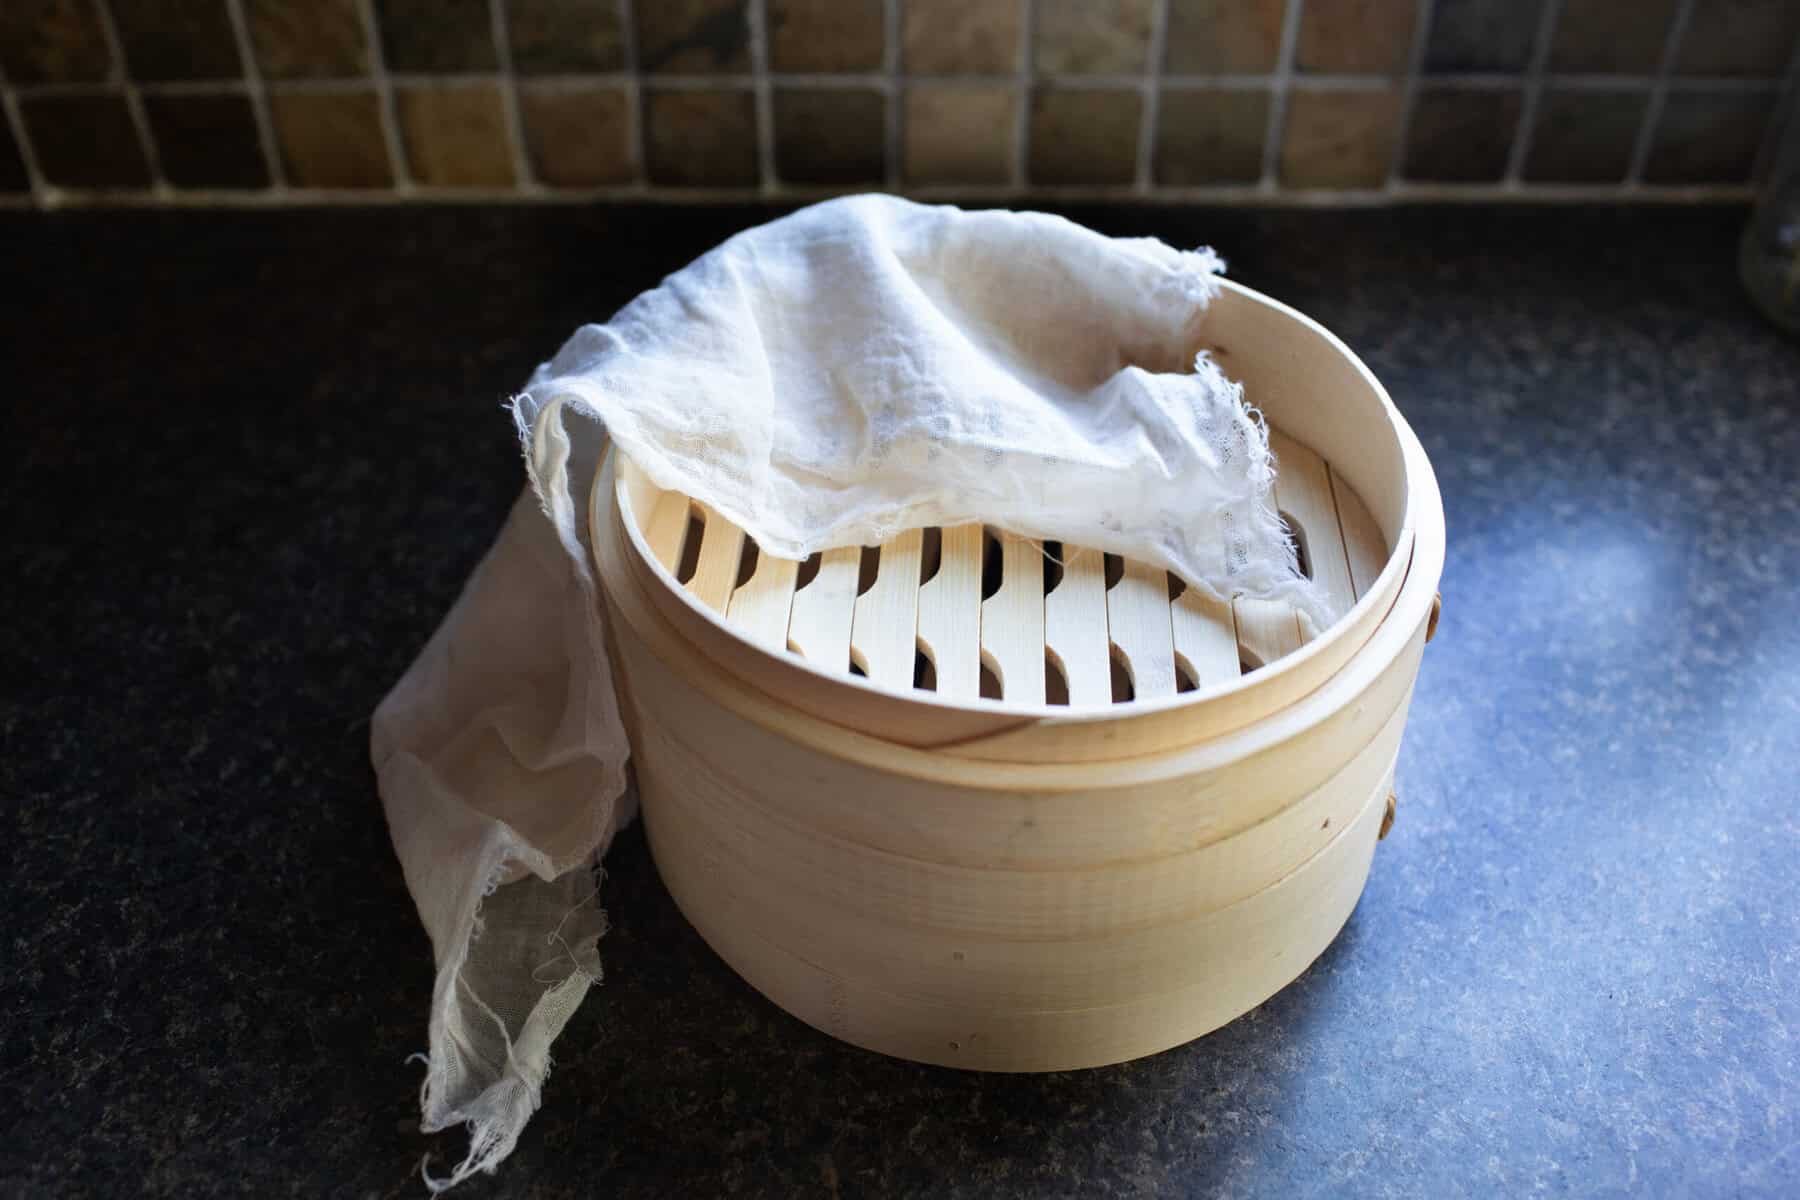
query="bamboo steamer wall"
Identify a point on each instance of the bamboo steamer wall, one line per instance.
(1031, 911)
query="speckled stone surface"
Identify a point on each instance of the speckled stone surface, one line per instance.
(250, 458)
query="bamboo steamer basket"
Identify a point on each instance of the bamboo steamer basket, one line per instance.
(1167, 812)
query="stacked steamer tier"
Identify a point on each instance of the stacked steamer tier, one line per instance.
(960, 800)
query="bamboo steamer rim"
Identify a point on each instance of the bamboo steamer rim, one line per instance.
(1405, 622)
(1415, 556)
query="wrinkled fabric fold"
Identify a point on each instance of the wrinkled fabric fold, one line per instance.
(500, 759)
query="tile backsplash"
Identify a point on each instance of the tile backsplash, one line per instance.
(301, 101)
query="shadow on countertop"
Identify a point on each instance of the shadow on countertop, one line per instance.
(251, 457)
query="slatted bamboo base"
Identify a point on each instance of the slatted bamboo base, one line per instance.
(968, 612)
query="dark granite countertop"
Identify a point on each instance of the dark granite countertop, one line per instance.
(251, 456)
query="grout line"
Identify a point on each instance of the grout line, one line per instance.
(1280, 83)
(1214, 83)
(341, 85)
(1320, 83)
(134, 102)
(1221, 194)
(1646, 136)
(757, 13)
(38, 195)
(1409, 90)
(554, 82)
(1712, 83)
(1470, 81)
(1027, 63)
(173, 87)
(384, 97)
(1526, 126)
(1152, 115)
(524, 175)
(894, 132)
(451, 78)
(739, 82)
(259, 100)
(634, 93)
(40, 187)
(111, 86)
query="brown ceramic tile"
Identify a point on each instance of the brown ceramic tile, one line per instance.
(1083, 136)
(1461, 136)
(1708, 137)
(700, 139)
(1482, 35)
(12, 166)
(431, 36)
(1584, 136)
(693, 37)
(551, 36)
(177, 39)
(959, 133)
(331, 139)
(1210, 37)
(1339, 139)
(830, 137)
(962, 37)
(1355, 37)
(1092, 37)
(1212, 135)
(455, 135)
(85, 141)
(826, 35)
(1739, 37)
(578, 137)
(52, 41)
(1611, 37)
(207, 141)
(320, 40)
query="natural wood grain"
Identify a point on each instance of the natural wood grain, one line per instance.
(1293, 927)
(1267, 630)
(884, 631)
(1137, 620)
(1205, 636)
(1075, 627)
(1044, 901)
(823, 610)
(666, 530)
(1363, 546)
(950, 614)
(762, 603)
(721, 550)
(1012, 622)
(1214, 946)
(1303, 489)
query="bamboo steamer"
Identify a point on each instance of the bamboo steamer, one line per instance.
(1010, 883)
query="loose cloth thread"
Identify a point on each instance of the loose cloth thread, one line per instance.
(860, 367)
